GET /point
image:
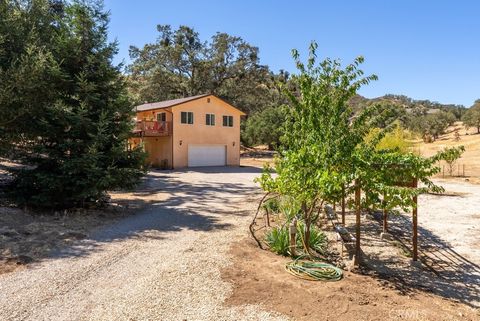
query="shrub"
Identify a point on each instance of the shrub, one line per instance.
(397, 139)
(318, 240)
(278, 240)
(272, 205)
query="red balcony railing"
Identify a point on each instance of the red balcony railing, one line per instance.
(153, 128)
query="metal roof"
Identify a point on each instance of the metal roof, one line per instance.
(168, 103)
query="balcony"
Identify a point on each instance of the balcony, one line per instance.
(152, 128)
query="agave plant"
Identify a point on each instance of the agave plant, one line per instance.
(318, 240)
(278, 240)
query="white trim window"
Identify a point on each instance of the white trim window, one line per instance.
(210, 119)
(186, 117)
(228, 121)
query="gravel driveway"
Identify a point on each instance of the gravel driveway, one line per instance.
(161, 264)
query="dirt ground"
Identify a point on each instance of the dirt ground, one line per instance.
(389, 287)
(163, 263)
(29, 236)
(256, 157)
(259, 277)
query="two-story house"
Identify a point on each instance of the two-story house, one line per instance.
(201, 130)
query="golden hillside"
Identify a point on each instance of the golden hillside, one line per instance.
(470, 139)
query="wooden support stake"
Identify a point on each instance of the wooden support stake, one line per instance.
(268, 217)
(414, 223)
(343, 205)
(293, 238)
(385, 222)
(357, 228)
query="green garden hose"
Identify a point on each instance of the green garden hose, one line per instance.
(315, 271)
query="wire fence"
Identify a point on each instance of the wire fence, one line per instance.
(455, 170)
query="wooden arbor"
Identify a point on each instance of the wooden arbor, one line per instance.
(358, 252)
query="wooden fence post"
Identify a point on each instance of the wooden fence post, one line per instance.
(414, 223)
(267, 223)
(293, 238)
(385, 222)
(343, 205)
(357, 228)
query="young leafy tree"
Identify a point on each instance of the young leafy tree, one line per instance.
(327, 147)
(320, 134)
(73, 118)
(451, 156)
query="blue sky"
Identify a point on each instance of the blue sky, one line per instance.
(423, 49)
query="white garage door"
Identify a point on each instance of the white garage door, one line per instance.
(207, 155)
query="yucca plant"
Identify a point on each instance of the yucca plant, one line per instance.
(278, 240)
(317, 241)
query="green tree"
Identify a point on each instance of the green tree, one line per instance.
(65, 109)
(327, 147)
(451, 156)
(471, 118)
(431, 125)
(320, 135)
(265, 127)
(179, 64)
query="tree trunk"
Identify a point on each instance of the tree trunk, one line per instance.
(307, 213)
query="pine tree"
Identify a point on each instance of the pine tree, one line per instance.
(73, 127)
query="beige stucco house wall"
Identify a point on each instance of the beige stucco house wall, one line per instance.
(174, 148)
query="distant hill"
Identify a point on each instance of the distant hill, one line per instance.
(420, 107)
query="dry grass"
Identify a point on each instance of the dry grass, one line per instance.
(471, 157)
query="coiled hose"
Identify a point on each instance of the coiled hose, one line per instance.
(315, 271)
